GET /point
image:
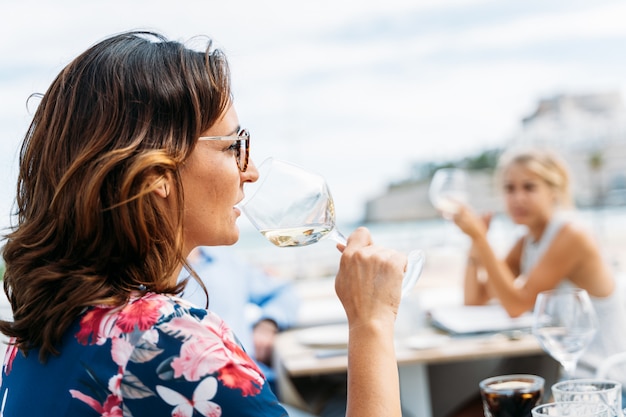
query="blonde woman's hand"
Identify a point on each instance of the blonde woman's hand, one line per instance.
(369, 279)
(470, 223)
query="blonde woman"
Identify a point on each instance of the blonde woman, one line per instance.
(554, 253)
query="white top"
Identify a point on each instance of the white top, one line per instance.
(611, 311)
(533, 250)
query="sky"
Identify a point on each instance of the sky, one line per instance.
(358, 91)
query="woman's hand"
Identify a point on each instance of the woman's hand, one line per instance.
(369, 285)
(369, 279)
(470, 223)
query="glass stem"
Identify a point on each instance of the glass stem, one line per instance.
(569, 368)
(415, 262)
(337, 236)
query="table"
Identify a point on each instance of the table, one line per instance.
(425, 374)
(294, 359)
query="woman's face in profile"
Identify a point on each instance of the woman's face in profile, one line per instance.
(529, 199)
(213, 185)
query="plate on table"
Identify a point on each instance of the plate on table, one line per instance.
(427, 341)
(324, 336)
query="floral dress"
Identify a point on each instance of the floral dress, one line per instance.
(155, 356)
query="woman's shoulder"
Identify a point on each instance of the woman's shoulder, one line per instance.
(170, 351)
(576, 233)
(574, 241)
(172, 313)
(143, 313)
(175, 312)
(163, 304)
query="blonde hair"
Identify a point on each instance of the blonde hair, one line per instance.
(544, 163)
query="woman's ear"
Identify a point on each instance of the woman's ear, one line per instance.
(160, 185)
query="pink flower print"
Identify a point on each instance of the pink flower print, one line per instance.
(115, 383)
(240, 355)
(218, 326)
(204, 392)
(204, 352)
(121, 350)
(199, 357)
(242, 372)
(9, 356)
(93, 325)
(240, 376)
(142, 312)
(110, 408)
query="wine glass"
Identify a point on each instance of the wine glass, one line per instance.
(292, 206)
(447, 189)
(564, 323)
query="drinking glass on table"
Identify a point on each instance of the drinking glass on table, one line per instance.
(448, 188)
(511, 395)
(564, 323)
(572, 409)
(591, 391)
(292, 206)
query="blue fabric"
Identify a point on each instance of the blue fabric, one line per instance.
(156, 356)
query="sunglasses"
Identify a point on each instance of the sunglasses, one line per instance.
(241, 146)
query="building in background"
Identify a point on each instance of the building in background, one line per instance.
(409, 200)
(588, 130)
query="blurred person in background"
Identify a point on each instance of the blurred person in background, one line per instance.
(555, 252)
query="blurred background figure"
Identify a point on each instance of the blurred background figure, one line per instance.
(256, 304)
(555, 252)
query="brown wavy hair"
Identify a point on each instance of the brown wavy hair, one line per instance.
(89, 229)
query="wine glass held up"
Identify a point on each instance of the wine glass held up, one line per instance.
(564, 323)
(292, 206)
(448, 189)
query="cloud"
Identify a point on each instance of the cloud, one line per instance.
(357, 90)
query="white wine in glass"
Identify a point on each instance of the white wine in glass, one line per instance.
(564, 323)
(292, 206)
(448, 188)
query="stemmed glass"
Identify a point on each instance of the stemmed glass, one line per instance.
(292, 206)
(448, 188)
(564, 323)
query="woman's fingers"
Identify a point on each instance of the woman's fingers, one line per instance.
(370, 278)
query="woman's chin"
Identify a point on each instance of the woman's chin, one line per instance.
(223, 239)
(518, 218)
(233, 237)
